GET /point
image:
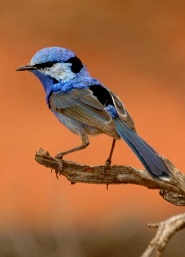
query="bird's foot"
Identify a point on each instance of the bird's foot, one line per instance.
(107, 165)
(59, 158)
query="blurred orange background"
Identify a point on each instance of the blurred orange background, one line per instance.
(137, 49)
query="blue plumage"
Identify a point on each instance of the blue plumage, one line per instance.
(86, 107)
(51, 54)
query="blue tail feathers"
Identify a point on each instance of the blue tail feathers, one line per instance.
(145, 153)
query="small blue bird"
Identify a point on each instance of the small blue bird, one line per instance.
(86, 107)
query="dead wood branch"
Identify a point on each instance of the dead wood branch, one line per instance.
(172, 191)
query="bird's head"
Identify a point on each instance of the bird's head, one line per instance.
(55, 63)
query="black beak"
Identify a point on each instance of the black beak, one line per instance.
(26, 67)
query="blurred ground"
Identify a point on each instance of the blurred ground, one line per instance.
(137, 48)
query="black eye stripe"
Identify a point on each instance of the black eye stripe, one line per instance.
(76, 64)
(44, 65)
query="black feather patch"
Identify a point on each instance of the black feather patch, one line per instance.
(102, 94)
(76, 64)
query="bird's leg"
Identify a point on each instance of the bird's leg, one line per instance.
(82, 146)
(85, 143)
(108, 161)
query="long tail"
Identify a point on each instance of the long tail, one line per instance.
(145, 153)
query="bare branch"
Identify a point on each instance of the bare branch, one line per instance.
(166, 229)
(172, 191)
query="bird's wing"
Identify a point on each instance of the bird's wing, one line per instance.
(83, 106)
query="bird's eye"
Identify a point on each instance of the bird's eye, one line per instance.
(76, 64)
(44, 65)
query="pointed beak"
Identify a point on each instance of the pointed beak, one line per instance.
(26, 67)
